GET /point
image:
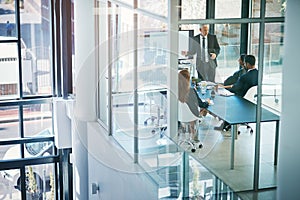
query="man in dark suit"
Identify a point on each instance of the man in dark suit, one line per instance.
(236, 75)
(246, 81)
(207, 48)
(243, 84)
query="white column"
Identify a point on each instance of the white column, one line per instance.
(289, 139)
(85, 98)
(85, 69)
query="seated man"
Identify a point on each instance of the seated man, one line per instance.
(236, 75)
(243, 84)
(247, 80)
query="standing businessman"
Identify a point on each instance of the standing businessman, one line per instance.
(207, 48)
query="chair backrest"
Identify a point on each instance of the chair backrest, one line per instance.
(184, 113)
(251, 94)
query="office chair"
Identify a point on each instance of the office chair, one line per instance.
(250, 96)
(185, 119)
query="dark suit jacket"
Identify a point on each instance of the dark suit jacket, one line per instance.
(234, 77)
(213, 47)
(245, 82)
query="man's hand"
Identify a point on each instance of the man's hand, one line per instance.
(184, 53)
(213, 56)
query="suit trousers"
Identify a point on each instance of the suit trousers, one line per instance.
(207, 70)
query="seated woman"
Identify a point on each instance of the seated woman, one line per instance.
(188, 95)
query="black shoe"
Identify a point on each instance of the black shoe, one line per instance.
(227, 128)
(219, 128)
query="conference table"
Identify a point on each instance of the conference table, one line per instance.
(237, 110)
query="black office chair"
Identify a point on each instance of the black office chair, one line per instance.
(250, 96)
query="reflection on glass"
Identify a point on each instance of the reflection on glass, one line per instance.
(273, 59)
(154, 6)
(152, 60)
(102, 59)
(272, 64)
(7, 189)
(9, 72)
(39, 179)
(9, 122)
(275, 8)
(229, 40)
(10, 152)
(193, 9)
(256, 8)
(36, 54)
(8, 19)
(37, 118)
(228, 9)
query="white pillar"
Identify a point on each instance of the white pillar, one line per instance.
(85, 89)
(289, 140)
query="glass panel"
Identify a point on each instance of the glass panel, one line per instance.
(229, 40)
(122, 70)
(37, 119)
(273, 56)
(158, 7)
(102, 63)
(9, 122)
(228, 9)
(8, 19)
(204, 185)
(255, 8)
(272, 78)
(36, 53)
(193, 9)
(7, 189)
(152, 60)
(275, 8)
(129, 2)
(10, 152)
(9, 70)
(40, 182)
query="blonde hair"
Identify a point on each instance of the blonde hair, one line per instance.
(183, 85)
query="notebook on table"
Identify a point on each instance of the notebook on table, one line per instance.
(224, 92)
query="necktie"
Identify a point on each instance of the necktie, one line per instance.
(203, 42)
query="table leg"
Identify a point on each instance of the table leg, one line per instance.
(233, 135)
(276, 143)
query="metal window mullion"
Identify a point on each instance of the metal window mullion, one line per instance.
(53, 50)
(66, 47)
(18, 21)
(259, 101)
(109, 73)
(135, 84)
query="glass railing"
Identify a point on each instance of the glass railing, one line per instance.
(179, 175)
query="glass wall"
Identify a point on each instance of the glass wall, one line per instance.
(193, 9)
(136, 75)
(146, 62)
(228, 9)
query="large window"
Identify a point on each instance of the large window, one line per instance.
(25, 105)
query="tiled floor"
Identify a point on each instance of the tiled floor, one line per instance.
(215, 155)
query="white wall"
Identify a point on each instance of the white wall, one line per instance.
(114, 171)
(289, 141)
